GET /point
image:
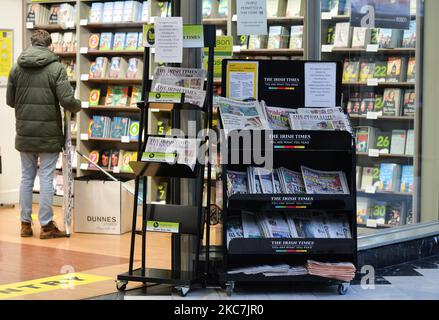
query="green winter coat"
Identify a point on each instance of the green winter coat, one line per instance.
(37, 85)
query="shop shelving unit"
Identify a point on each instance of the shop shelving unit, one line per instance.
(323, 150)
(385, 123)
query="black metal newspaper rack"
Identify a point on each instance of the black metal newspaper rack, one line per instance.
(320, 150)
(185, 219)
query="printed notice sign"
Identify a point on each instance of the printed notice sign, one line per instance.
(320, 85)
(6, 55)
(251, 17)
(168, 39)
(242, 80)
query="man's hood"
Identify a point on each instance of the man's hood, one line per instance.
(36, 57)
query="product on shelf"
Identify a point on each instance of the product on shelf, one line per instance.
(396, 69)
(407, 179)
(136, 95)
(276, 8)
(339, 271)
(411, 70)
(180, 77)
(365, 138)
(117, 96)
(398, 142)
(380, 71)
(351, 71)
(134, 68)
(324, 182)
(94, 97)
(295, 8)
(392, 102)
(296, 37)
(410, 144)
(343, 35)
(70, 66)
(93, 41)
(409, 105)
(361, 37)
(367, 103)
(409, 39)
(367, 70)
(106, 41)
(99, 68)
(277, 37)
(383, 141)
(390, 177)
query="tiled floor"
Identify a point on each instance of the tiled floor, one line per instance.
(411, 281)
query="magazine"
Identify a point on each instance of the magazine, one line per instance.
(180, 77)
(249, 225)
(234, 230)
(237, 115)
(193, 96)
(236, 182)
(324, 182)
(185, 149)
(291, 182)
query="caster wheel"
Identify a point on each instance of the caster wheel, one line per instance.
(343, 288)
(121, 285)
(183, 291)
(230, 286)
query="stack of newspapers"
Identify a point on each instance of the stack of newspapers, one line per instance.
(272, 270)
(182, 80)
(307, 225)
(172, 150)
(255, 115)
(340, 271)
(286, 181)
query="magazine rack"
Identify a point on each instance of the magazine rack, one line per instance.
(321, 150)
(189, 219)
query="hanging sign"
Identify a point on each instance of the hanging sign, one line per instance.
(242, 80)
(6, 55)
(251, 17)
(159, 226)
(193, 35)
(389, 14)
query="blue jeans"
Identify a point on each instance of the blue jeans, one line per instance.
(29, 168)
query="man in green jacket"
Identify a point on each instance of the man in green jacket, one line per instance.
(37, 86)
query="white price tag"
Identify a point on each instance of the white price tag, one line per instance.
(85, 104)
(84, 136)
(83, 22)
(116, 170)
(374, 153)
(372, 223)
(327, 48)
(380, 114)
(153, 50)
(154, 110)
(236, 48)
(85, 77)
(372, 115)
(235, 17)
(370, 190)
(326, 15)
(83, 50)
(125, 139)
(372, 48)
(84, 166)
(372, 82)
(70, 24)
(29, 25)
(151, 19)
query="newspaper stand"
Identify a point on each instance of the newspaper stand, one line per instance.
(188, 220)
(321, 150)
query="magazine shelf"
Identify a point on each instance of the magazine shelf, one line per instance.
(292, 246)
(108, 140)
(158, 169)
(216, 21)
(411, 51)
(386, 155)
(271, 52)
(52, 27)
(107, 26)
(66, 54)
(112, 109)
(382, 84)
(290, 21)
(382, 118)
(384, 193)
(112, 81)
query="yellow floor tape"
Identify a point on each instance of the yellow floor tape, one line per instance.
(65, 281)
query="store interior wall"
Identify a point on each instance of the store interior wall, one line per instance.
(430, 116)
(11, 12)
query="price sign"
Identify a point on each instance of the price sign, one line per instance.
(84, 136)
(374, 153)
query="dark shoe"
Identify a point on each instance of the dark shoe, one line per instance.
(26, 230)
(51, 231)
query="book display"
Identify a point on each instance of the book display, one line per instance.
(301, 200)
(382, 97)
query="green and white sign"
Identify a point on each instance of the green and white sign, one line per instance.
(167, 157)
(158, 226)
(193, 35)
(165, 97)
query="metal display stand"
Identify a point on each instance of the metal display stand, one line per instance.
(190, 219)
(323, 150)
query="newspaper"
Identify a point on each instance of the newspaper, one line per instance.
(236, 182)
(276, 182)
(193, 96)
(249, 225)
(320, 122)
(278, 118)
(292, 227)
(317, 111)
(238, 115)
(234, 230)
(272, 271)
(311, 225)
(324, 182)
(343, 271)
(179, 77)
(265, 179)
(273, 225)
(254, 184)
(291, 181)
(338, 226)
(185, 149)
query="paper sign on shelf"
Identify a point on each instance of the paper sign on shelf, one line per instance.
(83, 50)
(83, 22)
(83, 166)
(193, 36)
(116, 170)
(374, 153)
(372, 223)
(320, 85)
(370, 190)
(251, 17)
(372, 82)
(234, 18)
(6, 55)
(85, 77)
(70, 24)
(85, 104)
(84, 136)
(125, 139)
(372, 48)
(29, 25)
(242, 79)
(168, 39)
(326, 15)
(159, 226)
(327, 48)
(236, 48)
(372, 115)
